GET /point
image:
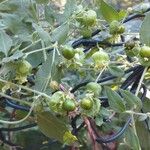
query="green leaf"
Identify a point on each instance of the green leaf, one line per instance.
(32, 10)
(51, 126)
(132, 139)
(115, 70)
(5, 42)
(50, 14)
(122, 14)
(15, 56)
(143, 134)
(42, 1)
(115, 101)
(8, 7)
(69, 138)
(108, 12)
(36, 59)
(46, 72)
(131, 100)
(69, 9)
(144, 31)
(60, 33)
(15, 24)
(43, 34)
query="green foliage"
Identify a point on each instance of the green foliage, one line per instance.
(5, 42)
(115, 70)
(109, 13)
(144, 34)
(51, 126)
(115, 101)
(131, 100)
(56, 71)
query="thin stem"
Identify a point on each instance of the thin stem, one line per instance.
(140, 82)
(19, 121)
(38, 50)
(26, 88)
(15, 99)
(100, 74)
(30, 45)
(44, 51)
(135, 113)
(50, 74)
(136, 94)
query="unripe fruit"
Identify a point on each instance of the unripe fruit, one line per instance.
(86, 32)
(121, 29)
(100, 56)
(91, 17)
(86, 104)
(79, 17)
(87, 18)
(145, 52)
(56, 98)
(94, 87)
(24, 67)
(68, 52)
(113, 28)
(116, 27)
(69, 105)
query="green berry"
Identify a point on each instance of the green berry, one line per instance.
(24, 67)
(69, 105)
(100, 56)
(145, 52)
(86, 104)
(68, 52)
(94, 87)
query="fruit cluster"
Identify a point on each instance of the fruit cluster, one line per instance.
(62, 102)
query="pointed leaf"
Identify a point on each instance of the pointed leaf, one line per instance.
(50, 14)
(115, 101)
(5, 42)
(46, 72)
(143, 134)
(43, 34)
(70, 7)
(122, 14)
(15, 56)
(108, 12)
(132, 100)
(60, 33)
(144, 31)
(132, 139)
(51, 126)
(116, 71)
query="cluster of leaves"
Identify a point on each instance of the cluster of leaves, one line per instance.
(49, 75)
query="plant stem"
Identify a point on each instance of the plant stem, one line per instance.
(19, 121)
(100, 74)
(38, 50)
(26, 88)
(50, 74)
(136, 94)
(44, 51)
(30, 45)
(13, 98)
